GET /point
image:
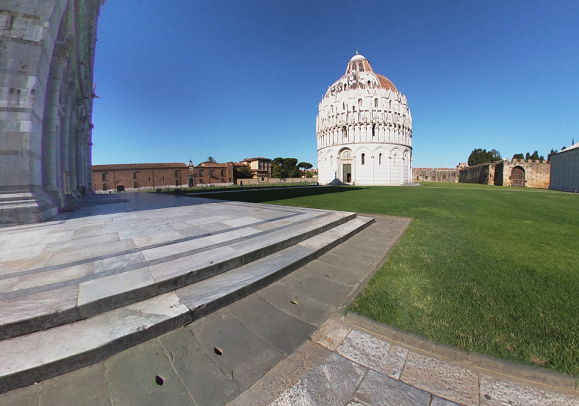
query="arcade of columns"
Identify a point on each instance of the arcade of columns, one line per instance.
(46, 95)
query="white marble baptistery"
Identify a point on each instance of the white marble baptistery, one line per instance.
(364, 130)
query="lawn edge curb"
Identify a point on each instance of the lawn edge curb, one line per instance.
(526, 374)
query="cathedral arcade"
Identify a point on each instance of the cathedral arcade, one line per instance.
(47, 53)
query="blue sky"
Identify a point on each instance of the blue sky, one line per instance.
(189, 79)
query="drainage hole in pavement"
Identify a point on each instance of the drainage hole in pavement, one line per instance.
(294, 302)
(218, 351)
(159, 380)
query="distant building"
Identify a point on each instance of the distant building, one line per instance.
(565, 170)
(364, 130)
(210, 173)
(120, 177)
(260, 167)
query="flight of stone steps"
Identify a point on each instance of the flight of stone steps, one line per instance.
(75, 291)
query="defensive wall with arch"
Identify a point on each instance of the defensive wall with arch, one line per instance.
(515, 172)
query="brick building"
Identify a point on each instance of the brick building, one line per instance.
(157, 175)
(210, 173)
(127, 176)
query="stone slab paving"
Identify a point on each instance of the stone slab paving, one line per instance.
(391, 375)
(246, 334)
(107, 256)
(242, 355)
(43, 354)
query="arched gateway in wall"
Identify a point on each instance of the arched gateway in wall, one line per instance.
(518, 176)
(364, 130)
(46, 93)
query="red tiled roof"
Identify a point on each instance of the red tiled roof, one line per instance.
(113, 167)
(385, 83)
(212, 165)
(367, 66)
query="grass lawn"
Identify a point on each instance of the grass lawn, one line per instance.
(487, 269)
(214, 189)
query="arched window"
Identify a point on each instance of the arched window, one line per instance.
(346, 155)
(375, 102)
(380, 159)
(345, 132)
(360, 102)
(373, 130)
(363, 159)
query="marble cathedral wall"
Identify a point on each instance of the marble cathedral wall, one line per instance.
(47, 51)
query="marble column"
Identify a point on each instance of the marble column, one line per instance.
(51, 130)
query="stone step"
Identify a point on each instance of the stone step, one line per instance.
(128, 275)
(33, 357)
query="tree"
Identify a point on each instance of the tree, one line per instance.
(242, 172)
(290, 167)
(276, 165)
(285, 168)
(534, 156)
(305, 166)
(481, 156)
(277, 172)
(211, 159)
(495, 155)
(309, 174)
(473, 158)
(553, 152)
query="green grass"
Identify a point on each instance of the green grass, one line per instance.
(486, 269)
(213, 189)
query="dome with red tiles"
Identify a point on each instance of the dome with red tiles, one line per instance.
(364, 130)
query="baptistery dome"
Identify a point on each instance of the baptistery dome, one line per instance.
(364, 130)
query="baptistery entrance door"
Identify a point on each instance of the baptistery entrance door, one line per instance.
(346, 161)
(518, 176)
(347, 173)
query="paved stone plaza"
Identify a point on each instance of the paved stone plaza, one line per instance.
(162, 309)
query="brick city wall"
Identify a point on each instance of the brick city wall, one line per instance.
(482, 174)
(448, 175)
(537, 174)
